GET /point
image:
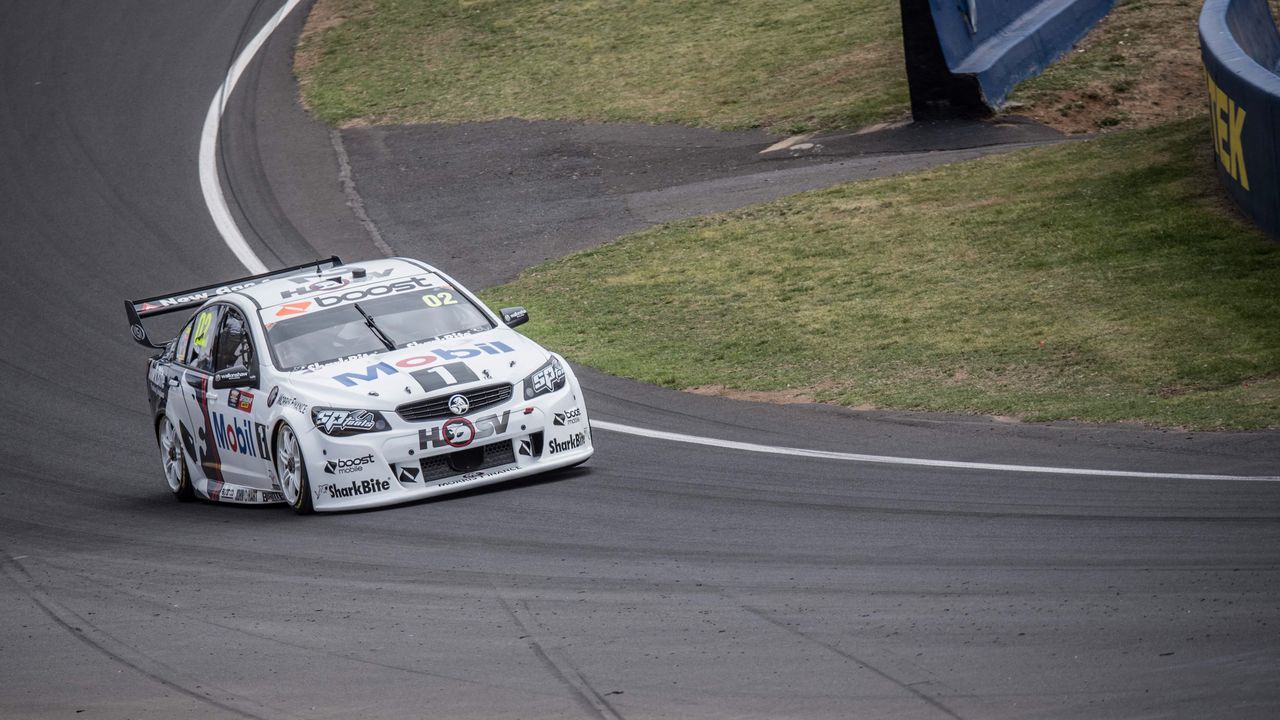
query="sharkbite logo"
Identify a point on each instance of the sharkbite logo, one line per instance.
(356, 488)
(573, 442)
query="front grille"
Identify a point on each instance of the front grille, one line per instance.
(438, 407)
(484, 457)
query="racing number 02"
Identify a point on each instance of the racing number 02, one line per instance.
(439, 299)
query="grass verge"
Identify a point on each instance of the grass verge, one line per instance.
(789, 66)
(1123, 290)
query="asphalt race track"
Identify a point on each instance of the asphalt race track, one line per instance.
(662, 579)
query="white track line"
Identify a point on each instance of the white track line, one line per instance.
(217, 203)
(891, 460)
(209, 181)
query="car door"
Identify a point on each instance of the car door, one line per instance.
(195, 355)
(231, 415)
(236, 415)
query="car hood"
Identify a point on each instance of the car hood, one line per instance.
(386, 380)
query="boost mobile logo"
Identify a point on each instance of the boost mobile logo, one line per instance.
(348, 465)
(568, 417)
(358, 294)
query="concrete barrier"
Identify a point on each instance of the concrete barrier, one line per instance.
(1240, 47)
(964, 56)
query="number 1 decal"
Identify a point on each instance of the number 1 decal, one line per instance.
(442, 376)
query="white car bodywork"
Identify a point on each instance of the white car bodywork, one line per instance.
(470, 435)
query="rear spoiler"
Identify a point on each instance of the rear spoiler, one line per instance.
(195, 297)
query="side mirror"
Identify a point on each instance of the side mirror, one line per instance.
(234, 377)
(514, 316)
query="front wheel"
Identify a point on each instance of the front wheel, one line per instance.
(292, 472)
(173, 462)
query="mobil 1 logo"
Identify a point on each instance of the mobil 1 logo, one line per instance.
(443, 376)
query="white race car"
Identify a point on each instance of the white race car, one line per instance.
(334, 387)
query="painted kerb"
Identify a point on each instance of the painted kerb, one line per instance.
(1240, 47)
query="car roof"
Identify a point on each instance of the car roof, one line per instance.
(311, 283)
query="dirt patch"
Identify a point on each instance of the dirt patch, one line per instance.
(1139, 67)
(790, 396)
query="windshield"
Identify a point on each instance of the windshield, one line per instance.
(342, 332)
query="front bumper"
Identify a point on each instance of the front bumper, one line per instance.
(415, 460)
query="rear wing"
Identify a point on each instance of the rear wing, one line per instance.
(195, 297)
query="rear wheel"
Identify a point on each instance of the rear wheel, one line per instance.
(173, 462)
(292, 471)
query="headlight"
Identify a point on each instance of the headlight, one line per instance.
(546, 379)
(340, 423)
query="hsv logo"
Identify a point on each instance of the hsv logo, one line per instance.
(311, 285)
(293, 308)
(371, 373)
(460, 432)
(408, 475)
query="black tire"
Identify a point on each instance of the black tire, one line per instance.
(173, 461)
(291, 471)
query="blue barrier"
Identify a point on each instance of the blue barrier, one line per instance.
(964, 56)
(1240, 47)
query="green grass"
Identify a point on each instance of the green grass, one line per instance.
(1099, 281)
(788, 66)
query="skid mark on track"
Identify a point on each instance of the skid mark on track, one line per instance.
(558, 662)
(193, 617)
(120, 652)
(909, 687)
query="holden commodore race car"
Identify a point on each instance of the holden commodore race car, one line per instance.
(336, 387)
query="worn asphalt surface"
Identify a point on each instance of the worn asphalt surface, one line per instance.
(659, 580)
